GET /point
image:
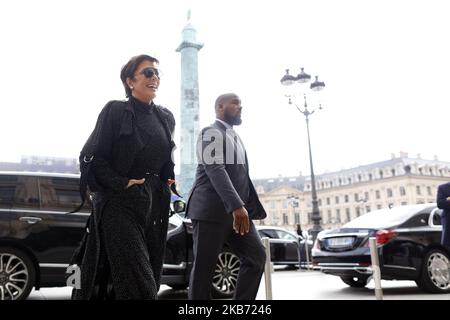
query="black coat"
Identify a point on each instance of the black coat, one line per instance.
(114, 143)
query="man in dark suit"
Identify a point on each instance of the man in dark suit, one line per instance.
(222, 204)
(443, 202)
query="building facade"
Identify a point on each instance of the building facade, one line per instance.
(347, 194)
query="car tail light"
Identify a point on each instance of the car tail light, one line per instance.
(384, 236)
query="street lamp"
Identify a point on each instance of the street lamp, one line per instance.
(317, 85)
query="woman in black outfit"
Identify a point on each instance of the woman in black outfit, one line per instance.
(131, 172)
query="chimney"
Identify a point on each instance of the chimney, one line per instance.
(419, 156)
(403, 154)
(436, 158)
(392, 155)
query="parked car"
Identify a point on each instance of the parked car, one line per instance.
(408, 241)
(287, 247)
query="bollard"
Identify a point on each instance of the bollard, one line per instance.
(299, 254)
(268, 269)
(308, 265)
(376, 268)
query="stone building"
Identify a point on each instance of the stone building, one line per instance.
(347, 194)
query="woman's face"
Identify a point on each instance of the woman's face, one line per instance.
(146, 81)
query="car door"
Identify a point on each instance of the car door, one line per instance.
(281, 246)
(291, 245)
(19, 206)
(58, 232)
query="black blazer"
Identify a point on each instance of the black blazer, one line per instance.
(115, 142)
(221, 187)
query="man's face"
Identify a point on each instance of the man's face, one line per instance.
(232, 111)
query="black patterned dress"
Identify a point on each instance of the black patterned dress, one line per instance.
(133, 226)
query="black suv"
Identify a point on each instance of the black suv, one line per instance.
(38, 237)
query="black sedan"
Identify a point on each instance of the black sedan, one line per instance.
(286, 247)
(408, 241)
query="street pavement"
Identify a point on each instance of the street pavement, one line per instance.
(293, 285)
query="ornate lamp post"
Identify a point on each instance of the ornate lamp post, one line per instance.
(317, 85)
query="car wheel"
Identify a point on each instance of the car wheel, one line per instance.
(435, 275)
(17, 274)
(355, 282)
(225, 275)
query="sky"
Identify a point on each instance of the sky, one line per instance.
(385, 65)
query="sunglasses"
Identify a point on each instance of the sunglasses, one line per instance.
(150, 72)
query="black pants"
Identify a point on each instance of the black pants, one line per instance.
(209, 239)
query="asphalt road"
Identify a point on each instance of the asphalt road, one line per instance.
(294, 285)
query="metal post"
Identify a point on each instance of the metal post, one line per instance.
(308, 265)
(376, 268)
(268, 269)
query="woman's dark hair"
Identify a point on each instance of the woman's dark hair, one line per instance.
(129, 69)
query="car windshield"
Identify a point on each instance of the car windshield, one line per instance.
(384, 218)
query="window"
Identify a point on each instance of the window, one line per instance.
(419, 220)
(358, 211)
(381, 174)
(285, 236)
(402, 191)
(377, 194)
(336, 199)
(19, 192)
(378, 206)
(347, 213)
(285, 218)
(370, 176)
(268, 233)
(418, 191)
(389, 193)
(366, 196)
(320, 202)
(59, 194)
(285, 204)
(404, 203)
(429, 191)
(338, 215)
(393, 172)
(297, 218)
(368, 209)
(356, 197)
(346, 198)
(272, 204)
(329, 216)
(328, 201)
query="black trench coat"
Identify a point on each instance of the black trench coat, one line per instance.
(114, 143)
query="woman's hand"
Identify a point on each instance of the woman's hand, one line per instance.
(170, 182)
(134, 181)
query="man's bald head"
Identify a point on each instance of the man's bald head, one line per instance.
(223, 98)
(228, 108)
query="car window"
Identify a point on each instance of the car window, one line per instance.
(18, 192)
(60, 194)
(268, 233)
(437, 218)
(419, 220)
(285, 235)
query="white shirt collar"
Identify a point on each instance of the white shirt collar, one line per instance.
(227, 126)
